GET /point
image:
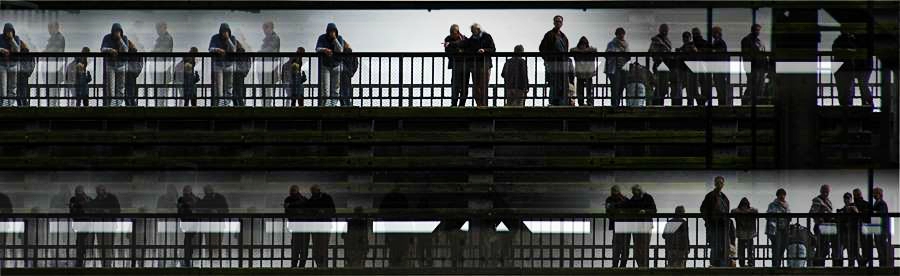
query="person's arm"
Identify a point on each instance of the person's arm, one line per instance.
(322, 44)
(117, 208)
(276, 43)
(489, 48)
(652, 206)
(213, 47)
(106, 46)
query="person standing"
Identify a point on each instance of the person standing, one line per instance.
(294, 77)
(459, 78)
(113, 44)
(321, 205)
(640, 204)
(479, 45)
(515, 78)
(615, 65)
(883, 238)
(213, 203)
(621, 239)
(294, 205)
(271, 44)
(678, 241)
(866, 240)
(398, 244)
(721, 80)
(133, 71)
(753, 52)
(82, 79)
(777, 227)
(242, 66)
(164, 42)
(715, 209)
(77, 208)
(704, 78)
(186, 78)
(55, 44)
(660, 43)
(330, 67)
(10, 45)
(221, 44)
(351, 65)
(557, 66)
(745, 232)
(585, 69)
(105, 203)
(856, 67)
(23, 89)
(187, 204)
(686, 79)
(826, 242)
(849, 231)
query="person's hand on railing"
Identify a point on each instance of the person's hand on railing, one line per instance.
(327, 52)
(5, 52)
(113, 52)
(219, 51)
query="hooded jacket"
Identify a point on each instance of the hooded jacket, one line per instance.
(325, 42)
(109, 43)
(13, 46)
(230, 46)
(745, 226)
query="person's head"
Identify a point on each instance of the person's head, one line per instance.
(101, 190)
(9, 32)
(331, 30)
(315, 190)
(162, 28)
(696, 32)
(755, 30)
(620, 33)
(224, 30)
(519, 49)
(877, 193)
(745, 203)
(679, 209)
(716, 32)
(79, 190)
(557, 22)
(583, 43)
(53, 27)
(454, 31)
(664, 29)
(268, 27)
(187, 190)
(615, 190)
(848, 199)
(301, 50)
(85, 50)
(117, 30)
(637, 191)
(190, 60)
(781, 194)
(686, 37)
(208, 190)
(857, 194)
(295, 190)
(476, 29)
(719, 182)
(825, 190)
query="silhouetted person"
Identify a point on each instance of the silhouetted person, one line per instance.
(329, 66)
(26, 69)
(6, 207)
(82, 81)
(848, 229)
(557, 67)
(687, 80)
(745, 232)
(883, 238)
(753, 49)
(294, 205)
(187, 205)
(585, 69)
(351, 65)
(186, 78)
(356, 241)
(515, 78)
(479, 44)
(704, 79)
(459, 79)
(221, 44)
(856, 67)
(241, 71)
(113, 44)
(105, 203)
(322, 205)
(5, 204)
(293, 77)
(621, 239)
(615, 66)
(777, 228)
(10, 45)
(135, 66)
(164, 42)
(678, 241)
(660, 43)
(213, 203)
(721, 80)
(398, 244)
(641, 203)
(865, 241)
(638, 80)
(821, 204)
(715, 208)
(77, 208)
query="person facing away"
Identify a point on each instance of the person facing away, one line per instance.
(745, 232)
(557, 69)
(320, 204)
(56, 42)
(714, 208)
(329, 67)
(188, 204)
(515, 78)
(722, 81)
(114, 43)
(294, 205)
(293, 75)
(777, 227)
(848, 229)
(164, 42)
(133, 71)
(242, 66)
(398, 244)
(585, 69)
(621, 239)
(677, 241)
(641, 203)
(615, 66)
(169, 200)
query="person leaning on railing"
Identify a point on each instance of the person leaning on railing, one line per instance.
(10, 44)
(114, 43)
(221, 44)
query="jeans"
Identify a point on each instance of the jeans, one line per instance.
(746, 253)
(223, 84)
(329, 83)
(239, 91)
(796, 255)
(585, 91)
(7, 85)
(635, 93)
(618, 80)
(113, 93)
(131, 89)
(23, 90)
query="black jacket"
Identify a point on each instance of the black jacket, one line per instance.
(78, 204)
(643, 205)
(711, 210)
(215, 203)
(680, 239)
(515, 73)
(452, 49)
(108, 204)
(549, 45)
(613, 208)
(864, 208)
(321, 205)
(294, 204)
(473, 44)
(187, 204)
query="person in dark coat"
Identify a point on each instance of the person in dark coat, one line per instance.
(855, 67)
(621, 239)
(330, 67)
(557, 67)
(479, 45)
(515, 78)
(848, 229)
(213, 203)
(26, 69)
(114, 43)
(459, 79)
(641, 203)
(105, 203)
(745, 232)
(82, 80)
(398, 244)
(660, 43)
(714, 208)
(883, 239)
(294, 77)
(753, 49)
(294, 206)
(721, 80)
(615, 65)
(678, 241)
(704, 79)
(187, 77)
(320, 204)
(221, 44)
(865, 241)
(187, 204)
(351, 65)
(825, 242)
(77, 208)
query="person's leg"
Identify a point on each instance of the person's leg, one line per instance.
(346, 90)
(642, 249)
(776, 253)
(678, 83)
(227, 86)
(334, 83)
(119, 92)
(692, 89)
(23, 91)
(10, 98)
(299, 249)
(843, 82)
(618, 87)
(581, 88)
(723, 88)
(107, 253)
(862, 82)
(320, 249)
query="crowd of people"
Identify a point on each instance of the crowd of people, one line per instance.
(570, 82)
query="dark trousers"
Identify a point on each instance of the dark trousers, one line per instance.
(717, 236)
(459, 91)
(82, 242)
(559, 88)
(346, 89)
(320, 249)
(885, 250)
(664, 82)
(398, 249)
(620, 245)
(190, 95)
(850, 242)
(131, 90)
(424, 253)
(356, 243)
(756, 85)
(23, 90)
(642, 249)
(585, 91)
(722, 83)
(104, 242)
(824, 245)
(689, 82)
(746, 253)
(480, 77)
(779, 244)
(191, 241)
(618, 81)
(844, 80)
(299, 249)
(866, 242)
(676, 257)
(239, 90)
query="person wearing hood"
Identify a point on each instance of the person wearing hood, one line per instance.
(557, 67)
(330, 67)
(10, 45)
(745, 232)
(777, 227)
(585, 69)
(271, 43)
(459, 79)
(113, 44)
(222, 44)
(715, 208)
(660, 43)
(479, 44)
(615, 66)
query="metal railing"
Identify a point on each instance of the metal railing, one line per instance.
(389, 79)
(480, 239)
